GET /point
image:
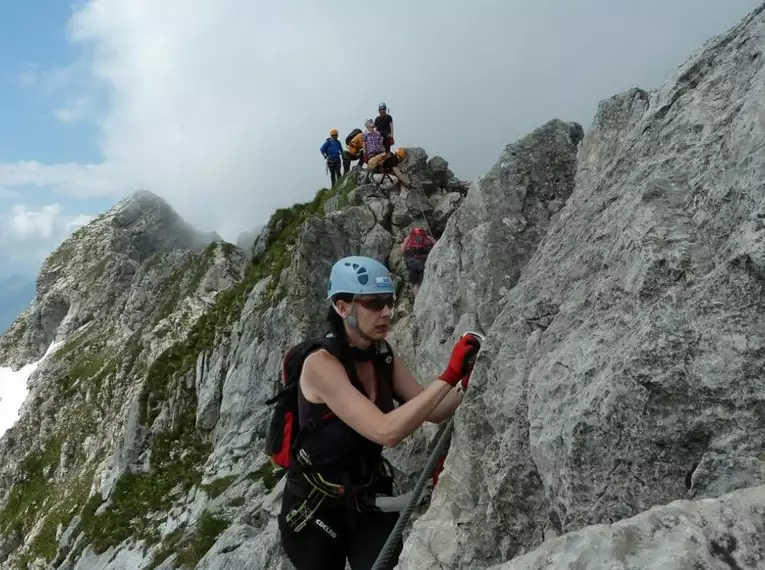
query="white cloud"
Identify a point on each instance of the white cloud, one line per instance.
(71, 179)
(76, 108)
(65, 115)
(221, 106)
(28, 235)
(28, 224)
(48, 80)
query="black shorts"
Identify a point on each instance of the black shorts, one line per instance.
(416, 269)
(326, 541)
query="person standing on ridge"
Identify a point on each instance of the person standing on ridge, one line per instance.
(354, 150)
(416, 248)
(384, 126)
(346, 395)
(332, 151)
(372, 141)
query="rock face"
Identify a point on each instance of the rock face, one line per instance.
(625, 368)
(489, 240)
(482, 253)
(111, 299)
(615, 415)
(97, 275)
(711, 533)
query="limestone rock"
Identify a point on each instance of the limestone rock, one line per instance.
(491, 237)
(711, 533)
(624, 370)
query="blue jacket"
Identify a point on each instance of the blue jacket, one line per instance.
(332, 148)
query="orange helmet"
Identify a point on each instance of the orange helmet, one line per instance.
(333, 132)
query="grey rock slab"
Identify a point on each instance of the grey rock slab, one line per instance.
(721, 533)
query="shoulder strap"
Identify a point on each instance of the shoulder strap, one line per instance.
(384, 366)
(291, 368)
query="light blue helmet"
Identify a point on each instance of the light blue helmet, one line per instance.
(359, 275)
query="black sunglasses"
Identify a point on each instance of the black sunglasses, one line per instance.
(376, 302)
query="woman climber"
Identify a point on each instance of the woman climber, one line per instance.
(346, 413)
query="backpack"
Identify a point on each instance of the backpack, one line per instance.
(377, 159)
(349, 138)
(417, 245)
(284, 428)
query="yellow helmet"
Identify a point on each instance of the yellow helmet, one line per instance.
(401, 153)
(333, 132)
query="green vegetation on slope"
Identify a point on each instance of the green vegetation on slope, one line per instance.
(189, 550)
(185, 279)
(176, 456)
(31, 492)
(38, 496)
(45, 544)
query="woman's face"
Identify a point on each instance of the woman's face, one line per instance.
(373, 313)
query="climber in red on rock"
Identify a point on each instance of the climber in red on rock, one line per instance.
(416, 248)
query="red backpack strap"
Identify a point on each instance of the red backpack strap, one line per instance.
(284, 429)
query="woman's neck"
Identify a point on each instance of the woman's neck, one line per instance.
(354, 339)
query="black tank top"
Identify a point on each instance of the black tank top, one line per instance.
(334, 447)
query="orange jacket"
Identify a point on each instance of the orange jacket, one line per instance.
(356, 145)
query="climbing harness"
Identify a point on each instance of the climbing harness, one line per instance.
(320, 490)
(443, 439)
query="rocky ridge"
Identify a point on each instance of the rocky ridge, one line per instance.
(615, 416)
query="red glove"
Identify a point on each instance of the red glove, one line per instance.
(466, 378)
(460, 362)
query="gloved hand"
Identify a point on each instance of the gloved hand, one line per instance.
(466, 378)
(460, 361)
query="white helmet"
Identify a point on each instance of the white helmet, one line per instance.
(369, 123)
(382, 106)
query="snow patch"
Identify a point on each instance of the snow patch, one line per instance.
(14, 390)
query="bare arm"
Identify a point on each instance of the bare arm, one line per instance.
(328, 380)
(406, 386)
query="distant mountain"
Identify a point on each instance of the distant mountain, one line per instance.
(16, 294)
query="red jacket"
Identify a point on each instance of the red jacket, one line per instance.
(417, 246)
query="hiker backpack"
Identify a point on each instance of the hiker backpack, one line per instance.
(376, 160)
(284, 428)
(417, 245)
(349, 138)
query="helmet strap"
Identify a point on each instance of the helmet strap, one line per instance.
(353, 322)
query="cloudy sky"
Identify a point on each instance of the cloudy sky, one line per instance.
(221, 106)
